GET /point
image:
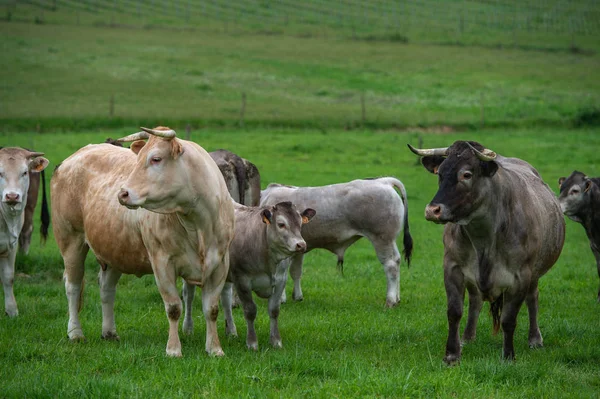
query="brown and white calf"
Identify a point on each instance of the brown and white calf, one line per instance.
(16, 164)
(265, 239)
(161, 208)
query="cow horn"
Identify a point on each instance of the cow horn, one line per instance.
(167, 134)
(133, 137)
(430, 151)
(485, 155)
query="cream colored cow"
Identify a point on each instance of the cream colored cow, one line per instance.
(161, 207)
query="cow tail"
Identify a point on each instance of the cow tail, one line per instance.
(496, 311)
(240, 175)
(407, 238)
(45, 214)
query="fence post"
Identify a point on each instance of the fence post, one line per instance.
(481, 111)
(243, 109)
(363, 109)
(111, 106)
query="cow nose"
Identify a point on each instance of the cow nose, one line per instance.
(123, 195)
(11, 198)
(433, 212)
(301, 247)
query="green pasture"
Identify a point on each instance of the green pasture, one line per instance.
(69, 77)
(340, 341)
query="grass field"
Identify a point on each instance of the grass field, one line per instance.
(339, 342)
(334, 89)
(72, 77)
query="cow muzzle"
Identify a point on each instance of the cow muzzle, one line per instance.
(125, 199)
(434, 213)
(301, 247)
(11, 198)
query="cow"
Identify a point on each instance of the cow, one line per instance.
(503, 231)
(265, 239)
(16, 166)
(32, 199)
(160, 207)
(579, 199)
(241, 176)
(346, 212)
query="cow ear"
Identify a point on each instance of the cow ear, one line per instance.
(432, 163)
(560, 181)
(136, 146)
(38, 164)
(307, 215)
(489, 168)
(267, 216)
(588, 185)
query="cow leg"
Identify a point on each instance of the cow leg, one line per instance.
(475, 304)
(597, 256)
(296, 273)
(108, 289)
(245, 294)
(535, 336)
(455, 295)
(187, 293)
(74, 253)
(389, 256)
(166, 281)
(211, 291)
(275, 303)
(227, 304)
(508, 321)
(7, 273)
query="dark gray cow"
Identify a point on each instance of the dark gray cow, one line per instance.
(15, 167)
(504, 230)
(580, 200)
(241, 176)
(265, 238)
(346, 212)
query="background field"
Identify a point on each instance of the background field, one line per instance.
(333, 91)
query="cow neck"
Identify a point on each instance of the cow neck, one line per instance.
(590, 219)
(482, 230)
(11, 218)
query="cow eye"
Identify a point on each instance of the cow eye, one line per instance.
(575, 191)
(467, 175)
(156, 160)
(281, 225)
(24, 173)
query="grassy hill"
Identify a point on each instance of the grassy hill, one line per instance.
(324, 64)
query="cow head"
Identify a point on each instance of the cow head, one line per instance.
(284, 225)
(15, 165)
(465, 170)
(574, 197)
(159, 179)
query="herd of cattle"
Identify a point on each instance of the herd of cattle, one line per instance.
(167, 207)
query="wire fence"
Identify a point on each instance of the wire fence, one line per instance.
(419, 20)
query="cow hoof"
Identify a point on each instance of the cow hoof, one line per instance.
(536, 345)
(77, 339)
(173, 353)
(253, 347)
(277, 345)
(298, 298)
(391, 304)
(216, 353)
(11, 313)
(232, 334)
(452, 360)
(111, 336)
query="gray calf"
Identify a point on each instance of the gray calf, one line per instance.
(580, 200)
(346, 212)
(265, 238)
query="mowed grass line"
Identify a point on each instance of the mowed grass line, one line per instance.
(61, 76)
(340, 341)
